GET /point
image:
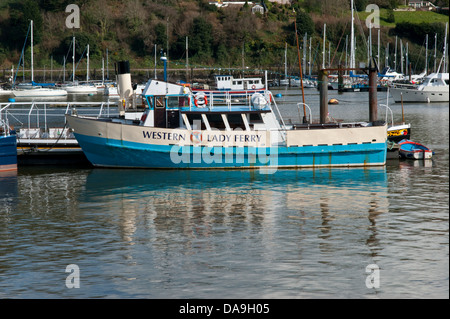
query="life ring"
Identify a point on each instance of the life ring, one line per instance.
(200, 100)
(143, 117)
(253, 86)
(196, 137)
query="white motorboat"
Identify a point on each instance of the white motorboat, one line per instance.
(433, 89)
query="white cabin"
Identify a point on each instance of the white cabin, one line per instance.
(228, 82)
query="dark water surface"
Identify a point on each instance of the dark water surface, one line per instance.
(236, 234)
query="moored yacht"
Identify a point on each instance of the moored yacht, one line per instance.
(433, 89)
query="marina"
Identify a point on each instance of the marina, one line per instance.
(194, 169)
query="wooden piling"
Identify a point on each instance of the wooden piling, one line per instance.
(373, 108)
(323, 86)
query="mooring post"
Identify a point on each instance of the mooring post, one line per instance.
(323, 86)
(373, 108)
(340, 78)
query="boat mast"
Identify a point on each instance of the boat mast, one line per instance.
(305, 39)
(445, 50)
(187, 59)
(87, 67)
(346, 54)
(401, 57)
(324, 45)
(285, 60)
(32, 62)
(395, 55)
(426, 54)
(378, 48)
(309, 63)
(352, 39)
(73, 61)
(435, 47)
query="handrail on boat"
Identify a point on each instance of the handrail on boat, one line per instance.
(392, 114)
(310, 114)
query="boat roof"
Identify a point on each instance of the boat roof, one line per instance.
(443, 76)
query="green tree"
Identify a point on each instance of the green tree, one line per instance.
(390, 16)
(21, 15)
(305, 23)
(361, 5)
(201, 40)
(161, 34)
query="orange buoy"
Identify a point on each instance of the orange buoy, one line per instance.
(333, 101)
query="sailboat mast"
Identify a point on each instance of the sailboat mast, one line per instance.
(32, 62)
(309, 63)
(352, 39)
(87, 66)
(285, 60)
(445, 50)
(395, 54)
(435, 52)
(73, 61)
(378, 49)
(324, 47)
(426, 54)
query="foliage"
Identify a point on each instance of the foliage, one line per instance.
(217, 36)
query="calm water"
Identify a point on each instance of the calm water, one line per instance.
(235, 234)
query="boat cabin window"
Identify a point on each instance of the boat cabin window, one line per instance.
(177, 101)
(159, 101)
(196, 122)
(235, 121)
(215, 121)
(446, 82)
(256, 118)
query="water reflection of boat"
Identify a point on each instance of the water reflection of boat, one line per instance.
(195, 203)
(414, 150)
(8, 190)
(8, 148)
(115, 181)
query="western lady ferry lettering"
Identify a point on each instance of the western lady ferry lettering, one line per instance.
(238, 138)
(164, 136)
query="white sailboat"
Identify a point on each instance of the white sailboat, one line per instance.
(75, 87)
(285, 81)
(37, 91)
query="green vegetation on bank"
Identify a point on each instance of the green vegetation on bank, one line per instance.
(218, 37)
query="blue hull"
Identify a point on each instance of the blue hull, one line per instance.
(8, 153)
(116, 153)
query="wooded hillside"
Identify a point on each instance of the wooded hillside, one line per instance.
(227, 37)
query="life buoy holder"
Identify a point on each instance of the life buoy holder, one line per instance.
(200, 100)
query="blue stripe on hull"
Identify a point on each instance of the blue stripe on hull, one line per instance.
(115, 153)
(8, 150)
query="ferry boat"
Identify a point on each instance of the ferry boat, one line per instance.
(176, 131)
(8, 148)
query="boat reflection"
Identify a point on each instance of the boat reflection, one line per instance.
(8, 192)
(186, 207)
